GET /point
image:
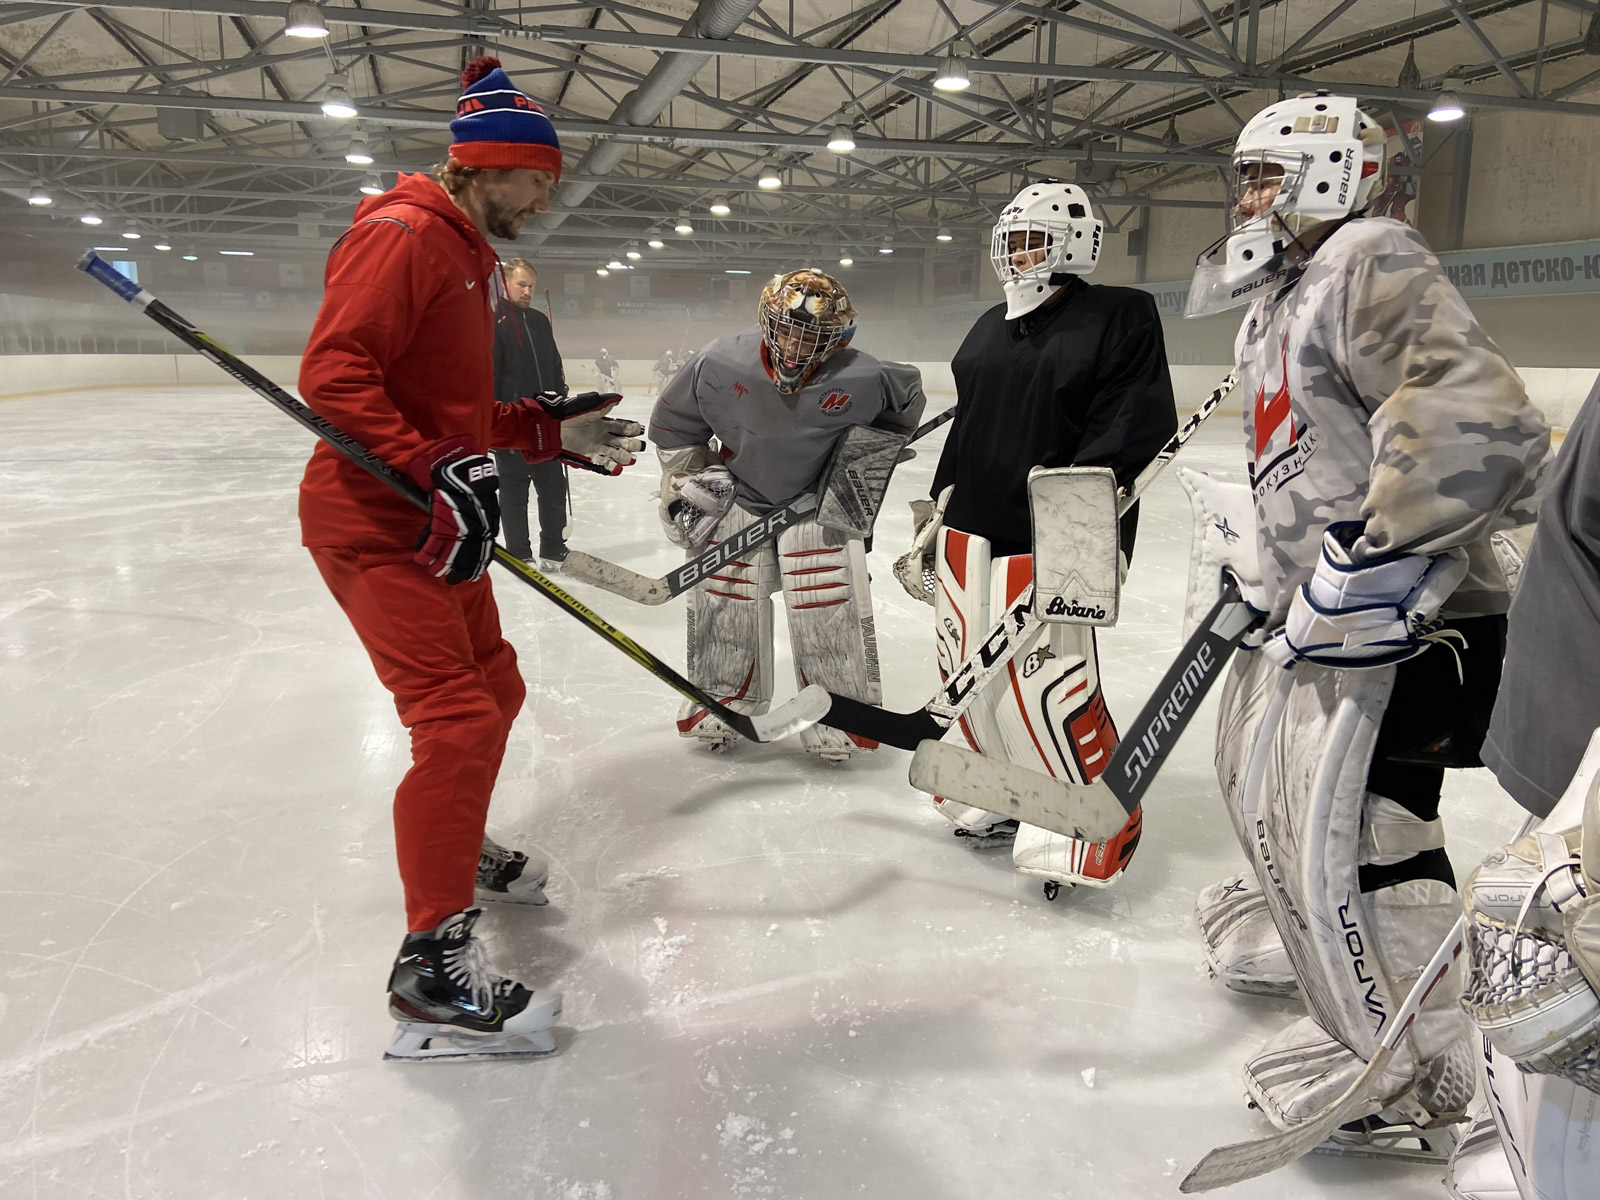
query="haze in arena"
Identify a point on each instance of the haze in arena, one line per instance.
(789, 598)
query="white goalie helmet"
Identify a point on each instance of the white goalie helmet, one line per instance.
(1051, 217)
(1297, 163)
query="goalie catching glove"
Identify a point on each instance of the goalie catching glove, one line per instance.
(588, 436)
(1365, 614)
(915, 569)
(464, 508)
(696, 492)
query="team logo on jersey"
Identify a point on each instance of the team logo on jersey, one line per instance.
(740, 390)
(835, 402)
(1282, 448)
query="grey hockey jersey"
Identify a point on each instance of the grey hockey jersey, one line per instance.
(1371, 394)
(774, 445)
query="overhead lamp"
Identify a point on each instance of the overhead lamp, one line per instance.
(1170, 139)
(337, 103)
(655, 242)
(768, 177)
(616, 265)
(190, 257)
(602, 272)
(888, 244)
(38, 197)
(162, 246)
(840, 139)
(633, 250)
(735, 271)
(683, 225)
(356, 152)
(720, 208)
(90, 219)
(372, 185)
(952, 75)
(1410, 76)
(845, 260)
(1447, 108)
(238, 253)
(304, 20)
(944, 234)
(133, 235)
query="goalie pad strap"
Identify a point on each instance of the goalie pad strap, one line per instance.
(1430, 864)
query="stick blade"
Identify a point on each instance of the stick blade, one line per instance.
(1090, 813)
(1227, 1165)
(905, 731)
(619, 581)
(789, 718)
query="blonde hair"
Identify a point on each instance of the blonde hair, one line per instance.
(521, 264)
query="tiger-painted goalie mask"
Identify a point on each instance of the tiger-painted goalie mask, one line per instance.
(805, 316)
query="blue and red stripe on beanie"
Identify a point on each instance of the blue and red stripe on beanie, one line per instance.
(497, 127)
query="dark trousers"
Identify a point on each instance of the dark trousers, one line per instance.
(550, 484)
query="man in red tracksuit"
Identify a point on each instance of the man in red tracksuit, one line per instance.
(401, 359)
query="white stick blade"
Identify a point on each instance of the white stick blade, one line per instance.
(789, 718)
(1090, 812)
(619, 581)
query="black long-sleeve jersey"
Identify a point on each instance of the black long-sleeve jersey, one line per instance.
(526, 361)
(1080, 382)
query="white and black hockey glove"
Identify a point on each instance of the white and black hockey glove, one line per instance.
(704, 498)
(589, 438)
(915, 569)
(1366, 614)
(465, 508)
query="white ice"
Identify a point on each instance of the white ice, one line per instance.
(783, 979)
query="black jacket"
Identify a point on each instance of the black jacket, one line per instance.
(1081, 382)
(526, 361)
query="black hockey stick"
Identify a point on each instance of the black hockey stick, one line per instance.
(646, 589)
(799, 713)
(968, 681)
(1096, 811)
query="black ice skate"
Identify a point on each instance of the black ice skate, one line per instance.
(510, 876)
(450, 1003)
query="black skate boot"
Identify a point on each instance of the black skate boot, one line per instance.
(510, 875)
(450, 1003)
(990, 837)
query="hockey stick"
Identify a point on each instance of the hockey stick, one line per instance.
(643, 589)
(1000, 644)
(1245, 1160)
(1096, 811)
(790, 718)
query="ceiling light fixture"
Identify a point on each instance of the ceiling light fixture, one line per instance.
(633, 250)
(372, 185)
(304, 20)
(952, 75)
(1447, 108)
(768, 177)
(602, 272)
(38, 197)
(133, 235)
(162, 246)
(90, 219)
(337, 102)
(845, 260)
(238, 253)
(616, 265)
(683, 225)
(841, 140)
(944, 234)
(190, 257)
(357, 151)
(720, 208)
(655, 242)
(888, 244)
(735, 271)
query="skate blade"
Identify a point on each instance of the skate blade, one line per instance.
(414, 1043)
(531, 896)
(1393, 1144)
(985, 841)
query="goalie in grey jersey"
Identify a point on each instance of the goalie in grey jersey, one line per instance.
(1386, 439)
(745, 427)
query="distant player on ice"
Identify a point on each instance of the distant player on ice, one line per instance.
(1063, 374)
(744, 427)
(1386, 439)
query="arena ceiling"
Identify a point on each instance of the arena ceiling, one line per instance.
(200, 123)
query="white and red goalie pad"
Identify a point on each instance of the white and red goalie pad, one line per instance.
(1046, 713)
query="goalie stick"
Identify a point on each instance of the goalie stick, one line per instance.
(1096, 811)
(1245, 1160)
(799, 713)
(643, 589)
(968, 681)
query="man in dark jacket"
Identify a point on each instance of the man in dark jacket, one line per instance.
(526, 362)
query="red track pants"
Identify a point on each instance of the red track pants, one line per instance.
(438, 649)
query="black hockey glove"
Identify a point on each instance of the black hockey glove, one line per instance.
(465, 517)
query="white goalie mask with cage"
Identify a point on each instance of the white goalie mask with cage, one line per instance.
(1048, 216)
(805, 316)
(1297, 163)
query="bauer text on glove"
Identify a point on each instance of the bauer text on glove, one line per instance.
(464, 513)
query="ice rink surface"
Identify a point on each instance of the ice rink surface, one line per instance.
(782, 978)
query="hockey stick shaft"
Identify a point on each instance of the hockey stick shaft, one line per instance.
(1228, 1165)
(1004, 638)
(644, 589)
(102, 271)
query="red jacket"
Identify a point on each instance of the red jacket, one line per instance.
(401, 355)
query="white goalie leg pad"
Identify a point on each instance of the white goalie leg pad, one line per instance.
(960, 619)
(1313, 825)
(730, 636)
(831, 634)
(1549, 1132)
(1479, 1169)
(1224, 536)
(1243, 947)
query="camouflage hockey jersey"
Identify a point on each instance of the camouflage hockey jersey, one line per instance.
(774, 445)
(1372, 394)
